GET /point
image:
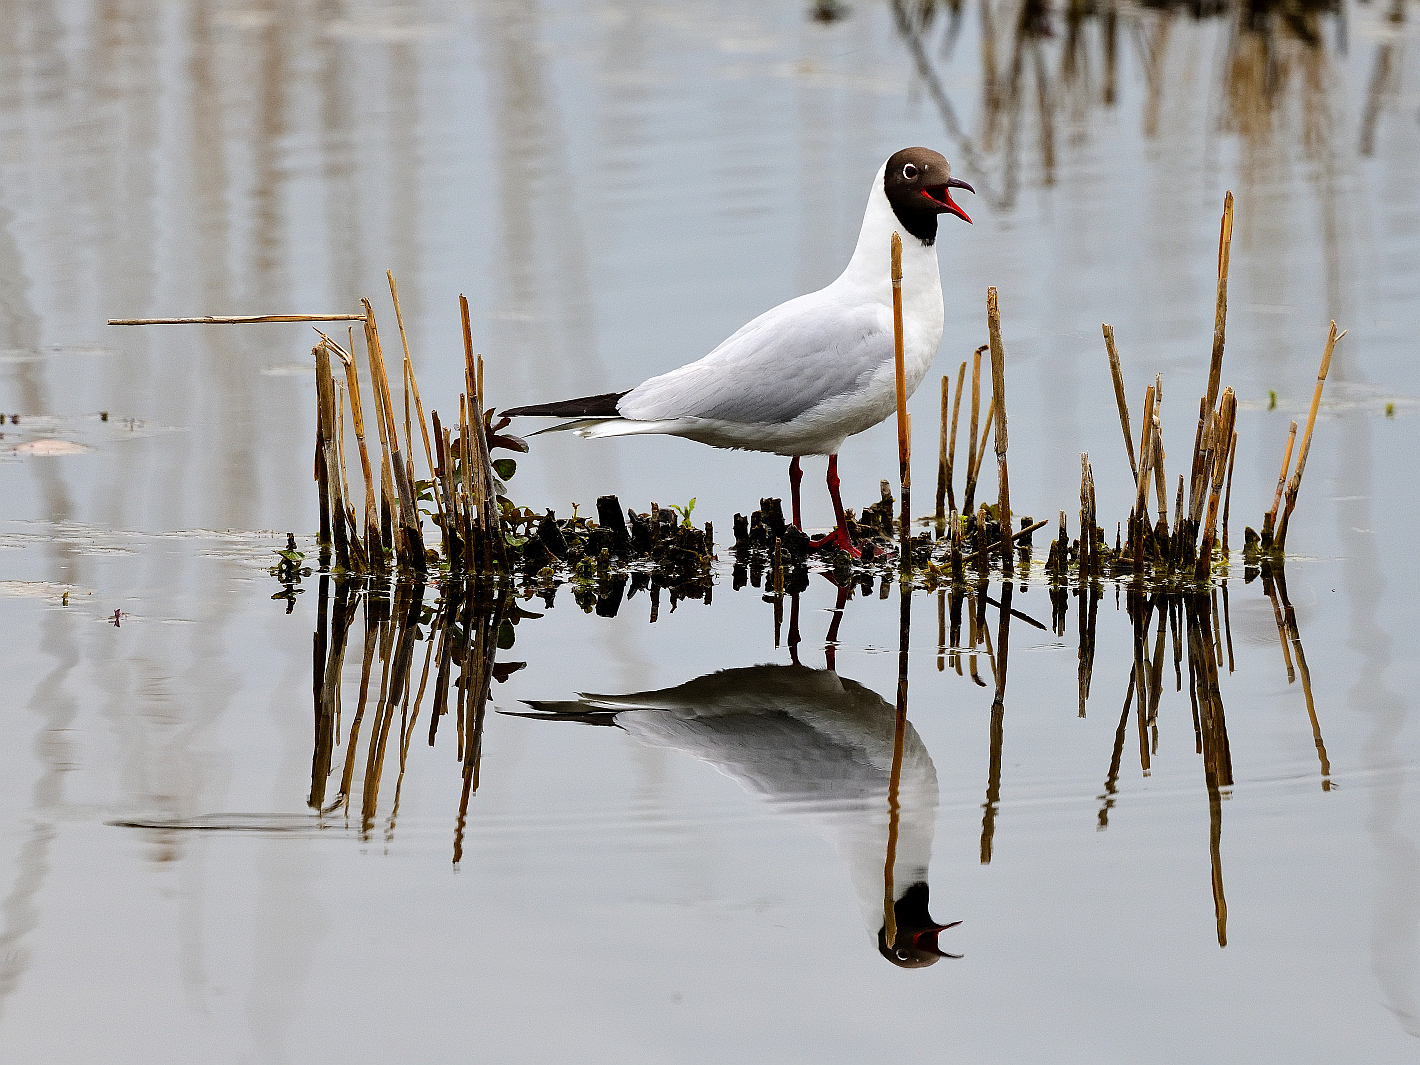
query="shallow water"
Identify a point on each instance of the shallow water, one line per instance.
(616, 188)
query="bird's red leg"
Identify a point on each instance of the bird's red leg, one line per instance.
(830, 646)
(794, 629)
(795, 476)
(839, 537)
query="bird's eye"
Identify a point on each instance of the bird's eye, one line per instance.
(909, 171)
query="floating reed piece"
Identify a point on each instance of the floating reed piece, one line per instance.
(239, 319)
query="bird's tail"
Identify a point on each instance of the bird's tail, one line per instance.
(603, 406)
(565, 711)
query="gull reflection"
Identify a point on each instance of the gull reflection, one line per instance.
(811, 744)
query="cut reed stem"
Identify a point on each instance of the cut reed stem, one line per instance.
(1269, 520)
(969, 496)
(1220, 314)
(1117, 373)
(998, 395)
(903, 426)
(1332, 337)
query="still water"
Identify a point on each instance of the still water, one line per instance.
(690, 863)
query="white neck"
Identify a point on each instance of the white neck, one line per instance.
(871, 265)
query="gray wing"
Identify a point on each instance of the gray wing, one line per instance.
(784, 363)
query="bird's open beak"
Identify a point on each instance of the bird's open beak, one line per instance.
(940, 195)
(926, 940)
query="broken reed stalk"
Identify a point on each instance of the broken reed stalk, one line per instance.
(409, 539)
(1269, 520)
(1220, 314)
(998, 396)
(903, 425)
(1159, 478)
(1198, 445)
(239, 319)
(1228, 492)
(357, 418)
(482, 483)
(472, 469)
(414, 386)
(939, 514)
(1141, 483)
(1223, 431)
(1117, 373)
(977, 451)
(1332, 337)
(1088, 545)
(969, 497)
(333, 489)
(952, 441)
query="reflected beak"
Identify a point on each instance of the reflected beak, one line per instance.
(926, 940)
(940, 195)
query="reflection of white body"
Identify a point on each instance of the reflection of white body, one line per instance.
(812, 743)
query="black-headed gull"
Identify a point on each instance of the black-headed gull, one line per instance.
(811, 744)
(803, 377)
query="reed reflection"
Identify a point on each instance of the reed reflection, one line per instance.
(809, 742)
(1044, 70)
(461, 633)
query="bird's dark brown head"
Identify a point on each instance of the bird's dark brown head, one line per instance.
(916, 942)
(916, 182)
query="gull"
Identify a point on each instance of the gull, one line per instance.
(803, 377)
(813, 745)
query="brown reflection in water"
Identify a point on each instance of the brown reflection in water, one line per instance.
(794, 735)
(462, 631)
(1274, 583)
(1200, 619)
(1384, 83)
(761, 725)
(998, 723)
(1276, 71)
(1217, 758)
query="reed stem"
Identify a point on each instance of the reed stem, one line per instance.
(1269, 520)
(998, 395)
(1332, 337)
(1117, 373)
(1220, 314)
(903, 425)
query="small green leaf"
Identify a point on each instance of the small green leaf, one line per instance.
(506, 468)
(506, 636)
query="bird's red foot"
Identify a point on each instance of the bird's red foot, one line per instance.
(839, 538)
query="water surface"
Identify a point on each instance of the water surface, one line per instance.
(616, 188)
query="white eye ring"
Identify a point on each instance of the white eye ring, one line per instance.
(909, 171)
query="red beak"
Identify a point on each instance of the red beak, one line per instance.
(940, 195)
(927, 940)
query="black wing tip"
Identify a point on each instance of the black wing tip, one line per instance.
(562, 711)
(603, 406)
